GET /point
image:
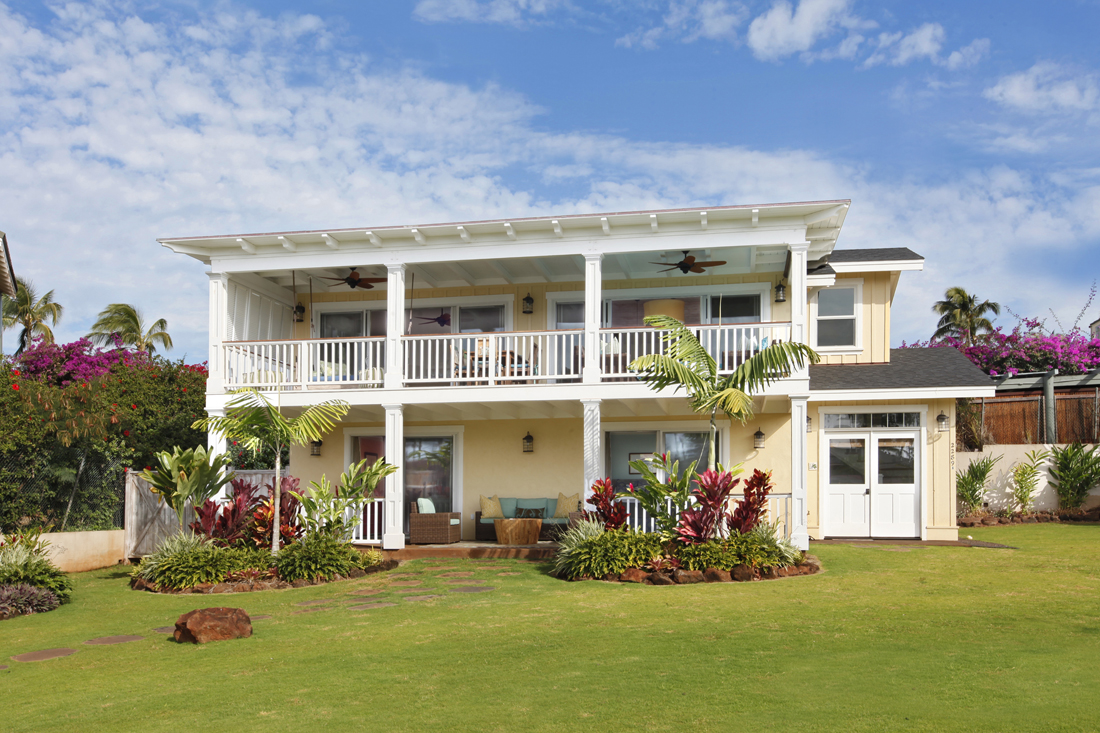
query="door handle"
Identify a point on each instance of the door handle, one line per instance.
(867, 492)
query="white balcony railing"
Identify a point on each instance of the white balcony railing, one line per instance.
(779, 509)
(367, 522)
(730, 345)
(303, 364)
(493, 358)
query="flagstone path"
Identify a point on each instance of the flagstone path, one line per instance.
(108, 640)
(473, 589)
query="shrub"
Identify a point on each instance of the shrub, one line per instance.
(317, 556)
(371, 558)
(21, 599)
(1074, 471)
(186, 560)
(759, 548)
(702, 521)
(193, 475)
(258, 531)
(971, 483)
(746, 517)
(337, 510)
(612, 515)
(1025, 479)
(595, 555)
(572, 537)
(22, 565)
(664, 501)
(227, 524)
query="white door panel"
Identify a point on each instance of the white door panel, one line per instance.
(895, 499)
(848, 485)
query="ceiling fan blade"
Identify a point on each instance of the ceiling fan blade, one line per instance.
(670, 269)
(363, 284)
(710, 264)
(696, 268)
(689, 260)
(338, 279)
(663, 264)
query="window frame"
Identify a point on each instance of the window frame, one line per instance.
(856, 285)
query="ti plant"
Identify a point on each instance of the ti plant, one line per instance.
(709, 514)
(610, 514)
(194, 475)
(1025, 479)
(752, 508)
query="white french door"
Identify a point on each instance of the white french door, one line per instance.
(872, 484)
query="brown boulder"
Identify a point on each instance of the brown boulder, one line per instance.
(741, 573)
(212, 624)
(1029, 520)
(715, 575)
(769, 573)
(299, 583)
(988, 521)
(810, 565)
(659, 579)
(687, 577)
(633, 575)
(611, 577)
(356, 573)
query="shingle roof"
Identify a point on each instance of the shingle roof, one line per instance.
(939, 366)
(885, 254)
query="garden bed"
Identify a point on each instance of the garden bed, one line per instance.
(248, 586)
(809, 565)
(1058, 515)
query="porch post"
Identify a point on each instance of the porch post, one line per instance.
(393, 529)
(219, 312)
(796, 278)
(799, 507)
(592, 447)
(593, 311)
(395, 327)
(217, 443)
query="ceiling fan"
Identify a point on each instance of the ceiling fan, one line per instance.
(354, 281)
(688, 264)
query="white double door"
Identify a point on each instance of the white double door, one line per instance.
(872, 484)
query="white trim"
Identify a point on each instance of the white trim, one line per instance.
(823, 454)
(879, 266)
(855, 283)
(914, 393)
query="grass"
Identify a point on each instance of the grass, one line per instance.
(923, 639)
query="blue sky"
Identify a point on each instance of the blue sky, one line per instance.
(966, 131)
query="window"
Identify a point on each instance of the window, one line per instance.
(353, 324)
(872, 420)
(726, 309)
(837, 320)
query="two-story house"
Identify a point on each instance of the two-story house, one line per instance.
(492, 358)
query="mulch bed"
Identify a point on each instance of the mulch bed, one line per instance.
(1058, 515)
(810, 565)
(251, 586)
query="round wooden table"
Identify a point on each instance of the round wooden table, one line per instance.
(517, 531)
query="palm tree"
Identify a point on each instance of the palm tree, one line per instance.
(686, 364)
(30, 312)
(127, 322)
(962, 316)
(252, 419)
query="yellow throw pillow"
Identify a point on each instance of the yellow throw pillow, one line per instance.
(490, 508)
(566, 504)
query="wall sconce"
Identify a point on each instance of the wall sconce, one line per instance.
(758, 439)
(299, 313)
(315, 448)
(528, 443)
(528, 304)
(809, 424)
(942, 422)
(780, 293)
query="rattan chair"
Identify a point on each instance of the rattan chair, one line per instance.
(433, 529)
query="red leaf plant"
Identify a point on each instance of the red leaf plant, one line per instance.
(228, 524)
(701, 521)
(750, 510)
(259, 530)
(612, 515)
(665, 564)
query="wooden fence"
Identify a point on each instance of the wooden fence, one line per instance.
(1020, 418)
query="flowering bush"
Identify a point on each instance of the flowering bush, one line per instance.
(64, 364)
(1026, 348)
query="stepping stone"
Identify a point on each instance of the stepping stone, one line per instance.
(405, 583)
(369, 606)
(473, 589)
(165, 629)
(262, 615)
(107, 640)
(366, 592)
(420, 598)
(44, 655)
(410, 590)
(404, 575)
(314, 602)
(309, 610)
(509, 574)
(437, 567)
(456, 575)
(3, 667)
(461, 581)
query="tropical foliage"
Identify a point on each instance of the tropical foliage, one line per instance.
(336, 510)
(23, 599)
(971, 483)
(26, 563)
(31, 313)
(1074, 472)
(608, 512)
(662, 499)
(1025, 479)
(686, 364)
(189, 476)
(123, 325)
(962, 317)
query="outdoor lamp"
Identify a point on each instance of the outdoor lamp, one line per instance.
(528, 443)
(809, 424)
(942, 422)
(758, 439)
(315, 448)
(299, 313)
(528, 304)
(780, 293)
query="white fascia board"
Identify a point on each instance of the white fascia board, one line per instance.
(879, 266)
(920, 393)
(347, 256)
(820, 281)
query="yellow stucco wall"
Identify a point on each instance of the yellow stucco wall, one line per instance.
(875, 314)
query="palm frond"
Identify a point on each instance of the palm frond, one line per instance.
(732, 401)
(770, 364)
(661, 370)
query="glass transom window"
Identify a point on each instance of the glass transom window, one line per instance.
(871, 420)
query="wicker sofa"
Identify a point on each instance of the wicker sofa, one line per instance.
(485, 529)
(429, 527)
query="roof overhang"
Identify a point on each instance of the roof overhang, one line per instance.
(915, 393)
(763, 226)
(879, 266)
(7, 271)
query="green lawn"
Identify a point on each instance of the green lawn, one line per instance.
(918, 639)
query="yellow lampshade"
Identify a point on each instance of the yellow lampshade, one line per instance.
(670, 308)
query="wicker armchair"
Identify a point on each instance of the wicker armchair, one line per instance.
(433, 529)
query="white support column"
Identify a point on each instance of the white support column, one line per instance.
(799, 475)
(593, 312)
(217, 443)
(800, 327)
(218, 320)
(393, 513)
(593, 449)
(395, 326)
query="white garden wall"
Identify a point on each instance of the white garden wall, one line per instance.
(75, 552)
(999, 489)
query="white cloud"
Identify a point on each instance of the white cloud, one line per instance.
(115, 130)
(507, 12)
(1047, 88)
(690, 20)
(968, 55)
(783, 30)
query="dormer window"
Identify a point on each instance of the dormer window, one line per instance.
(836, 324)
